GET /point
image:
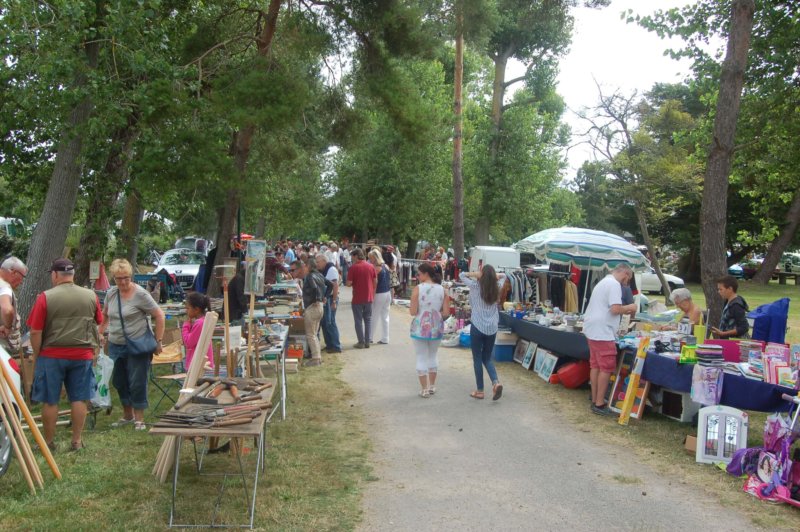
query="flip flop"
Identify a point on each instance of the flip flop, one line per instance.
(498, 392)
(477, 395)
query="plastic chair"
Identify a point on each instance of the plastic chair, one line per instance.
(769, 321)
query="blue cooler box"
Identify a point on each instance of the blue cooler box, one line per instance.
(504, 353)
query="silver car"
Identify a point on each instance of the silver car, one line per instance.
(184, 264)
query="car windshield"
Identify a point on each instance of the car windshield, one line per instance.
(187, 257)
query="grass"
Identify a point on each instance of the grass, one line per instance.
(756, 295)
(657, 442)
(316, 462)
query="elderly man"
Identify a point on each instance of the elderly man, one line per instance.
(64, 336)
(682, 298)
(330, 331)
(313, 299)
(12, 273)
(600, 324)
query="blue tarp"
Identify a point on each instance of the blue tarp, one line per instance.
(769, 323)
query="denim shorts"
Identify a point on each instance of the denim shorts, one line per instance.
(50, 373)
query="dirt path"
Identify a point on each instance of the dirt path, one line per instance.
(454, 463)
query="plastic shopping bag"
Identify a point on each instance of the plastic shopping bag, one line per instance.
(102, 375)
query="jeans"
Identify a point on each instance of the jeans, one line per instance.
(311, 318)
(482, 347)
(330, 331)
(362, 314)
(130, 378)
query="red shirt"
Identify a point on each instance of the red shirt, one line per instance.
(36, 322)
(363, 277)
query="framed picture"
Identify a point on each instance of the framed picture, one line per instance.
(520, 350)
(618, 386)
(539, 360)
(530, 354)
(548, 365)
(255, 258)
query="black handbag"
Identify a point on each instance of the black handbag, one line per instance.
(145, 344)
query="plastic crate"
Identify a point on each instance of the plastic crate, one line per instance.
(504, 353)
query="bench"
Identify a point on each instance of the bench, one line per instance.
(782, 276)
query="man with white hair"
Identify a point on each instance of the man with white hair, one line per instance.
(12, 273)
(600, 323)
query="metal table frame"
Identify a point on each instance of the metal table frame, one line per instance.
(240, 472)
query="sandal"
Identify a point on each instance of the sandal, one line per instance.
(122, 422)
(432, 390)
(425, 394)
(497, 391)
(139, 425)
(477, 395)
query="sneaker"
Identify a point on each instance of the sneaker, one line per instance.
(359, 345)
(311, 363)
(602, 410)
(366, 345)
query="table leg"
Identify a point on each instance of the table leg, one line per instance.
(283, 384)
(782, 279)
(176, 466)
(259, 466)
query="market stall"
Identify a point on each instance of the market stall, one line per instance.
(561, 342)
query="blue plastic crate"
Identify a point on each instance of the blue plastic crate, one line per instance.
(504, 353)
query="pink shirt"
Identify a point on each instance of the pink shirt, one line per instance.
(191, 336)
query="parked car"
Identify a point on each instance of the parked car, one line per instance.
(736, 270)
(194, 243)
(5, 440)
(184, 264)
(651, 283)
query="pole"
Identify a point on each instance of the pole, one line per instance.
(226, 307)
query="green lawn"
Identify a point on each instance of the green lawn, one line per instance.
(316, 463)
(756, 295)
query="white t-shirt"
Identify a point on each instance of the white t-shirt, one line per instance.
(598, 322)
(5, 289)
(332, 275)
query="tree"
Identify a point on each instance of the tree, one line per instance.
(650, 166)
(715, 185)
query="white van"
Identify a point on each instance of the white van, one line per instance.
(499, 257)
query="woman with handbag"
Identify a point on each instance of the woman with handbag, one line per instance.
(131, 343)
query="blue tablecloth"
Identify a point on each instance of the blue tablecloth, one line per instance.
(737, 391)
(561, 343)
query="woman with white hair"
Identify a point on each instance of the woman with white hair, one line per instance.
(682, 298)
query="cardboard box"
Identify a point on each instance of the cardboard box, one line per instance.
(690, 445)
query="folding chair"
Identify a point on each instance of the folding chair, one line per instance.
(172, 354)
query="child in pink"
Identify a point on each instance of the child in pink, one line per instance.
(197, 305)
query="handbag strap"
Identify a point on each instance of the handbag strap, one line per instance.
(122, 321)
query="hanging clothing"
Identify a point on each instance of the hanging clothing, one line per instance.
(571, 299)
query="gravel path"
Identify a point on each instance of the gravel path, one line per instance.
(455, 463)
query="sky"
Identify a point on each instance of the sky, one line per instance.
(618, 56)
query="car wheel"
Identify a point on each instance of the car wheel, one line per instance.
(5, 450)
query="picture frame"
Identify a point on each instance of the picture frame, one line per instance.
(618, 386)
(539, 360)
(520, 350)
(548, 365)
(530, 355)
(255, 259)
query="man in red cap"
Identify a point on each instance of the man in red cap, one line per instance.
(63, 326)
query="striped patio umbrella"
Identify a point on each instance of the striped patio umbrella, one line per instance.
(585, 248)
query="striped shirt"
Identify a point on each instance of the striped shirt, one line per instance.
(484, 317)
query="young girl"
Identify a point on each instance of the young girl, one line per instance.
(197, 305)
(429, 306)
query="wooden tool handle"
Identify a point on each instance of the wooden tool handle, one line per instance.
(184, 400)
(234, 392)
(216, 391)
(231, 422)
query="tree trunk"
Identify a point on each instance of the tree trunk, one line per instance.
(241, 150)
(776, 249)
(132, 216)
(47, 241)
(103, 199)
(651, 249)
(458, 180)
(411, 248)
(484, 222)
(715, 188)
(261, 227)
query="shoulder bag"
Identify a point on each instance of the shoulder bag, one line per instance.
(145, 344)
